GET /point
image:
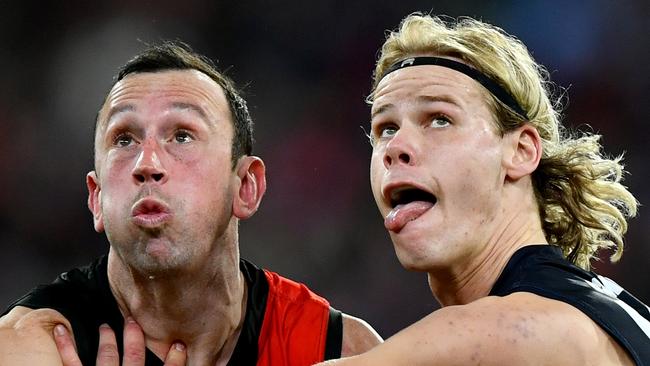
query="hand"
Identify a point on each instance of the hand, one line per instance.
(107, 354)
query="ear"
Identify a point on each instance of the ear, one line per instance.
(94, 200)
(251, 174)
(523, 153)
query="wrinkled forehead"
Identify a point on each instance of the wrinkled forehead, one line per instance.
(487, 83)
(425, 80)
(190, 87)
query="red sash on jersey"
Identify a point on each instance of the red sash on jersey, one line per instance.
(294, 331)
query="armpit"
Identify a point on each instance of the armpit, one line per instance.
(358, 336)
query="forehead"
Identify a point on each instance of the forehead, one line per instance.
(427, 80)
(190, 87)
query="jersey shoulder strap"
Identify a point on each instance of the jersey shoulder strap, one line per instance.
(299, 328)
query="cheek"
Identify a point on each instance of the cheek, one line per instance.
(477, 188)
(207, 177)
(199, 167)
(376, 172)
(183, 157)
(480, 155)
(470, 169)
(118, 163)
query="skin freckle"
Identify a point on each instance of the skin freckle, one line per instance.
(522, 328)
(499, 322)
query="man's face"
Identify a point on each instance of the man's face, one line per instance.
(164, 184)
(436, 169)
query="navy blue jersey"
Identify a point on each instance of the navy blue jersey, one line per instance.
(543, 270)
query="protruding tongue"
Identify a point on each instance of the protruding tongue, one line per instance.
(403, 214)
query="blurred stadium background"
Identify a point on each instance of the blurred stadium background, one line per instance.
(306, 69)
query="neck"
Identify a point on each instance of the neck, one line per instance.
(203, 308)
(474, 277)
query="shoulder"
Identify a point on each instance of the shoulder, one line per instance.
(358, 336)
(286, 289)
(296, 301)
(517, 329)
(522, 328)
(78, 288)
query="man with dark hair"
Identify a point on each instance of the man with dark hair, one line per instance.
(173, 176)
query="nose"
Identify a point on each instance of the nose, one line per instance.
(148, 168)
(400, 150)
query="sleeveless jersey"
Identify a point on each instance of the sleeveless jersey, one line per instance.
(285, 323)
(543, 270)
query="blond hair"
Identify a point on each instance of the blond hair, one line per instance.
(582, 204)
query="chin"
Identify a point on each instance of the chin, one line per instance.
(157, 266)
(420, 256)
(412, 261)
(415, 266)
(158, 259)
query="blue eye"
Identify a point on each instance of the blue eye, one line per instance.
(382, 131)
(440, 121)
(388, 131)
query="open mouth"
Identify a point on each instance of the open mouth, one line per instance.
(407, 203)
(406, 195)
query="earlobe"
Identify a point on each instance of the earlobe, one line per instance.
(251, 173)
(94, 200)
(526, 145)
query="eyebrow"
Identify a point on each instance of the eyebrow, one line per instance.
(175, 106)
(191, 107)
(422, 99)
(118, 110)
(382, 109)
(205, 118)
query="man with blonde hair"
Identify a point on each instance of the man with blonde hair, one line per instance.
(482, 188)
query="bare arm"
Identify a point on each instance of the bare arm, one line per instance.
(358, 336)
(515, 330)
(43, 337)
(26, 337)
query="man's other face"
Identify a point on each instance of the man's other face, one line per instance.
(164, 177)
(436, 168)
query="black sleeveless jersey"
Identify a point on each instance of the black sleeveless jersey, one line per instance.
(84, 297)
(542, 270)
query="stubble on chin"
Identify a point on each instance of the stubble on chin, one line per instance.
(154, 255)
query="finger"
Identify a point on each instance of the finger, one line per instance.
(177, 355)
(65, 345)
(134, 346)
(107, 353)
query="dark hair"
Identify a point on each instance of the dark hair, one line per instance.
(176, 55)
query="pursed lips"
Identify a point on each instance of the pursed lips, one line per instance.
(150, 213)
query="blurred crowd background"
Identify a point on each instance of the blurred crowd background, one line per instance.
(305, 67)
